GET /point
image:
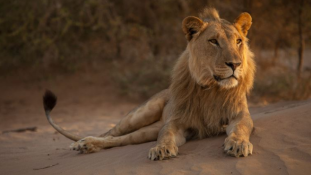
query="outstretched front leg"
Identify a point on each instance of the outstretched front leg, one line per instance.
(170, 137)
(239, 130)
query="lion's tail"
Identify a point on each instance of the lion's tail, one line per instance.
(49, 102)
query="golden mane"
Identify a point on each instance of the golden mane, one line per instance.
(209, 14)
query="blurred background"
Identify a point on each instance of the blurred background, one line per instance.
(102, 58)
(131, 46)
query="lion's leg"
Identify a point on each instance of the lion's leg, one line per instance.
(170, 137)
(144, 115)
(239, 130)
(93, 144)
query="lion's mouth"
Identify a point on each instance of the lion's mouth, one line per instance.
(218, 78)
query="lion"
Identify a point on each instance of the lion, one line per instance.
(207, 95)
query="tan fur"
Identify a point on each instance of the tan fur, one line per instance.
(207, 95)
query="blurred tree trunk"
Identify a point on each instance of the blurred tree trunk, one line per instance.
(276, 52)
(301, 41)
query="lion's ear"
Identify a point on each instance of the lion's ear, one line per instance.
(244, 21)
(191, 25)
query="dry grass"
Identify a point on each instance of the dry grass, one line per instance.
(275, 83)
(142, 39)
(140, 80)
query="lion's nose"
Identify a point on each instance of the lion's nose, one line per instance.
(233, 65)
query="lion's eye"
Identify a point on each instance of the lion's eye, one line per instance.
(213, 41)
(238, 41)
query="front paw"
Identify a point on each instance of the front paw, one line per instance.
(237, 147)
(87, 145)
(161, 152)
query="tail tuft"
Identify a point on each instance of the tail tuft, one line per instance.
(49, 100)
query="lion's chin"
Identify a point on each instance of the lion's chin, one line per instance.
(228, 83)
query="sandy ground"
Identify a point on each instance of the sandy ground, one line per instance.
(282, 136)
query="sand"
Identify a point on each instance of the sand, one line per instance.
(281, 139)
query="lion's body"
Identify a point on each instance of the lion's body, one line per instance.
(210, 82)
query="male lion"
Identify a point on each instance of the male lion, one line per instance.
(207, 95)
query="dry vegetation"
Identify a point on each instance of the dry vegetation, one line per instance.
(140, 40)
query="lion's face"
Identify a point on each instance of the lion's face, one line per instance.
(216, 51)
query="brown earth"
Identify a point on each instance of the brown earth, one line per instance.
(282, 136)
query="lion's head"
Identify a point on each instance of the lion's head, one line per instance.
(218, 49)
